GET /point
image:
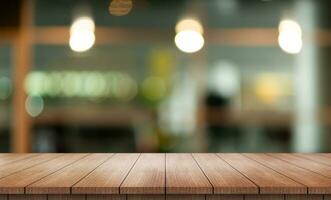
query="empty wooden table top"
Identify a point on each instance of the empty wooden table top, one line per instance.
(173, 175)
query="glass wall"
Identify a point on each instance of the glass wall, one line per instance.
(175, 76)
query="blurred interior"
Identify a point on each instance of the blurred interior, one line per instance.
(165, 76)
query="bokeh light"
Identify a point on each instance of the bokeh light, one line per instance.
(189, 37)
(154, 88)
(82, 35)
(34, 83)
(34, 105)
(126, 88)
(290, 36)
(269, 88)
(224, 79)
(89, 84)
(84, 22)
(189, 41)
(189, 24)
(120, 7)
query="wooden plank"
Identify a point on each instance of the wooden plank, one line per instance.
(15, 183)
(185, 197)
(325, 154)
(183, 176)
(269, 181)
(304, 197)
(147, 176)
(146, 197)
(264, 197)
(3, 197)
(224, 197)
(27, 197)
(58, 174)
(20, 165)
(10, 158)
(66, 197)
(317, 157)
(107, 178)
(319, 168)
(61, 181)
(223, 177)
(105, 197)
(316, 183)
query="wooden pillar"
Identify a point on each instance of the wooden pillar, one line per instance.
(21, 124)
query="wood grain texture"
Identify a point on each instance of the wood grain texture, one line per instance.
(105, 197)
(27, 197)
(10, 158)
(317, 184)
(107, 178)
(65, 197)
(304, 197)
(7, 170)
(264, 197)
(224, 197)
(147, 176)
(183, 176)
(15, 183)
(321, 158)
(61, 181)
(165, 176)
(223, 177)
(323, 169)
(185, 197)
(269, 181)
(146, 197)
(325, 154)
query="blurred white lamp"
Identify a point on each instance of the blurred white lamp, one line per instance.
(189, 37)
(82, 35)
(290, 36)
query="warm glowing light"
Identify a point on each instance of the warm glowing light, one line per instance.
(189, 41)
(120, 7)
(82, 23)
(82, 35)
(272, 88)
(290, 36)
(189, 37)
(189, 24)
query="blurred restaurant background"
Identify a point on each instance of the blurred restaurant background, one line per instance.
(165, 76)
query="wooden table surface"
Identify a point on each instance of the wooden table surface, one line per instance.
(166, 176)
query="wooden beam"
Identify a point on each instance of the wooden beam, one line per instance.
(22, 59)
(59, 35)
(115, 35)
(243, 36)
(222, 36)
